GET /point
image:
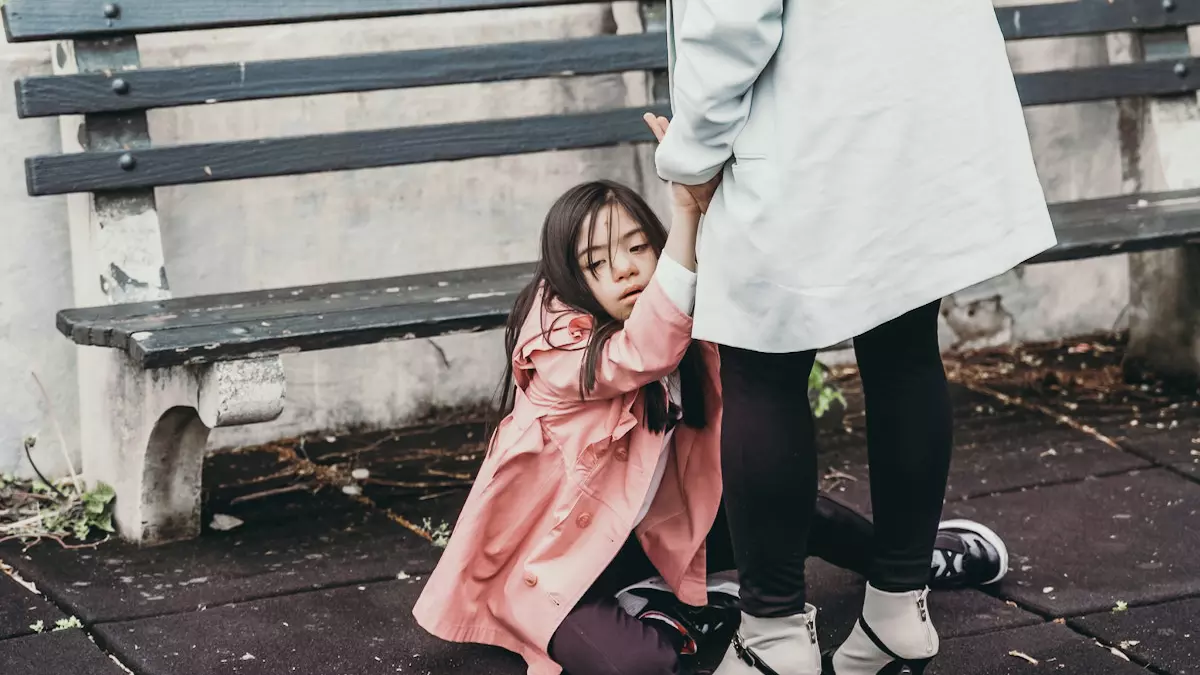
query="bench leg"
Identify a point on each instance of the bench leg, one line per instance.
(1164, 317)
(1159, 141)
(145, 433)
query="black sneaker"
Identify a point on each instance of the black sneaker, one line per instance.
(967, 554)
(705, 631)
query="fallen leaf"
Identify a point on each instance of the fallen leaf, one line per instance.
(1118, 653)
(1023, 655)
(223, 523)
(1121, 606)
(1048, 589)
(1126, 644)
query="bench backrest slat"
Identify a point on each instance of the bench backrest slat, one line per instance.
(34, 20)
(1149, 78)
(1091, 17)
(159, 88)
(208, 162)
(166, 87)
(201, 163)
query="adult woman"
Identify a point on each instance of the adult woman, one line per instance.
(863, 160)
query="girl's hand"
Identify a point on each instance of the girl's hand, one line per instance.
(686, 197)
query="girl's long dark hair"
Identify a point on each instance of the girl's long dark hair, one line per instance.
(559, 273)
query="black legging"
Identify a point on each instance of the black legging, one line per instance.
(769, 460)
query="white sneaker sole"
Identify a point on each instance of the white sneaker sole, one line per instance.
(720, 582)
(989, 536)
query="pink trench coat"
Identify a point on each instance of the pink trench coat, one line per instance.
(558, 494)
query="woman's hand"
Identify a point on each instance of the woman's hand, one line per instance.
(686, 197)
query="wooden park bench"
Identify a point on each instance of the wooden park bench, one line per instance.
(161, 371)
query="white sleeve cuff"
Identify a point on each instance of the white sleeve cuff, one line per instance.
(678, 282)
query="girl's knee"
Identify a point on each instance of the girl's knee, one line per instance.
(626, 659)
(601, 639)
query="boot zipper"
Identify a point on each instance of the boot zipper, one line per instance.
(810, 624)
(924, 613)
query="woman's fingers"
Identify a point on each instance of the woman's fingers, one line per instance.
(653, 124)
(663, 123)
(657, 124)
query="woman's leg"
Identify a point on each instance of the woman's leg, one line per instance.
(769, 468)
(908, 444)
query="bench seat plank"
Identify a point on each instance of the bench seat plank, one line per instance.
(203, 329)
(1124, 224)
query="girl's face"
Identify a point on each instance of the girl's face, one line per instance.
(617, 261)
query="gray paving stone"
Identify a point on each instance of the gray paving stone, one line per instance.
(355, 630)
(1165, 430)
(20, 608)
(290, 542)
(1151, 419)
(65, 652)
(1056, 648)
(1166, 636)
(998, 448)
(1080, 548)
(369, 629)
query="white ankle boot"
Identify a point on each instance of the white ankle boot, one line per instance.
(782, 646)
(893, 631)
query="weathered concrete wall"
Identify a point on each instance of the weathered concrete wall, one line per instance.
(273, 232)
(35, 280)
(1078, 157)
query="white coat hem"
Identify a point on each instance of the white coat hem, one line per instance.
(718, 327)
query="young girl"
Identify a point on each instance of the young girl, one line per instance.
(606, 469)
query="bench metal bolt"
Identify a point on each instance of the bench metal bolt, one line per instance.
(120, 86)
(112, 10)
(1181, 69)
(1169, 5)
(127, 162)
